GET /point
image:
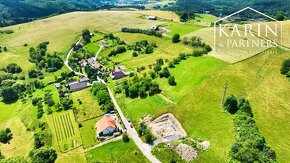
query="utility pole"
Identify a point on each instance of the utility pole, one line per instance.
(224, 94)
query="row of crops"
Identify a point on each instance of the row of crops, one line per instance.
(63, 125)
(65, 130)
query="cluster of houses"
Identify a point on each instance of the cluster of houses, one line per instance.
(92, 62)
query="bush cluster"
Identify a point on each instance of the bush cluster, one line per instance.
(285, 68)
(140, 87)
(250, 145)
(38, 55)
(119, 50)
(5, 135)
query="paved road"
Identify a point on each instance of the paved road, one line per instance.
(67, 57)
(144, 148)
(97, 54)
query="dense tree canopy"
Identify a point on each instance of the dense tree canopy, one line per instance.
(43, 155)
(5, 135)
(9, 94)
(13, 68)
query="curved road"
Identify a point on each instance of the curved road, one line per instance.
(144, 148)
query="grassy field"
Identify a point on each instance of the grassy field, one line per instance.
(285, 31)
(165, 49)
(11, 117)
(199, 69)
(62, 31)
(199, 110)
(206, 18)
(228, 54)
(116, 152)
(74, 156)
(89, 107)
(88, 132)
(22, 141)
(160, 14)
(181, 29)
(92, 47)
(64, 130)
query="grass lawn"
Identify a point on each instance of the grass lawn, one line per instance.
(89, 106)
(137, 108)
(51, 89)
(204, 18)
(227, 53)
(116, 152)
(74, 156)
(92, 47)
(181, 29)
(88, 132)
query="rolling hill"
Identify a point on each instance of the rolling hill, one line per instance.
(195, 101)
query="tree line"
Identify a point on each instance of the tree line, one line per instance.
(142, 31)
(250, 145)
(101, 92)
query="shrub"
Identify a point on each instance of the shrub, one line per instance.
(176, 38)
(231, 104)
(285, 68)
(135, 54)
(5, 136)
(171, 81)
(13, 68)
(9, 94)
(126, 138)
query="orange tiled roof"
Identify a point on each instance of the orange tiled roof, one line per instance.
(104, 123)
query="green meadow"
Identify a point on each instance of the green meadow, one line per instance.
(116, 152)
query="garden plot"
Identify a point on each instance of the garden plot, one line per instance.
(166, 128)
(64, 130)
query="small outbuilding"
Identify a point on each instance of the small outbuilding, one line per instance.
(152, 17)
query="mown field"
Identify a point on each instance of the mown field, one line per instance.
(116, 152)
(65, 130)
(12, 117)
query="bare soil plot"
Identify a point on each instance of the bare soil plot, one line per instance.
(167, 127)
